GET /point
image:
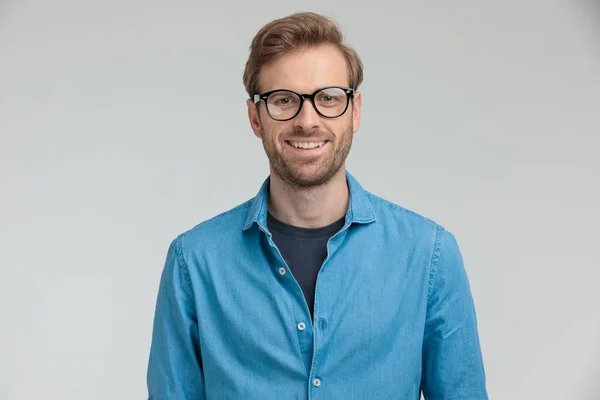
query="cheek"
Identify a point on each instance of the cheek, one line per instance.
(342, 127)
(271, 134)
(278, 130)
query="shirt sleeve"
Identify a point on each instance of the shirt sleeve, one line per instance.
(175, 365)
(452, 359)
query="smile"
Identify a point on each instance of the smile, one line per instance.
(307, 145)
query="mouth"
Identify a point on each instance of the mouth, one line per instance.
(307, 148)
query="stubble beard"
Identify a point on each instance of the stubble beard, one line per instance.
(309, 174)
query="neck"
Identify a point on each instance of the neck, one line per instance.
(311, 207)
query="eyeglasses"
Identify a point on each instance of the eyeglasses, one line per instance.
(329, 102)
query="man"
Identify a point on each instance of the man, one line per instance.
(315, 288)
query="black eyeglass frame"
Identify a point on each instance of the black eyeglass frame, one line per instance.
(265, 96)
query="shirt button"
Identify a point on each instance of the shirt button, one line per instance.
(282, 271)
(301, 326)
(317, 382)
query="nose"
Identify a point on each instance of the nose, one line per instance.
(307, 118)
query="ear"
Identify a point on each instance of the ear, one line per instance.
(254, 118)
(356, 108)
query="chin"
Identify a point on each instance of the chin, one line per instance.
(309, 178)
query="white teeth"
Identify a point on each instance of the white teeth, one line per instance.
(307, 145)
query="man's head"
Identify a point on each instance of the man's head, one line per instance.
(301, 54)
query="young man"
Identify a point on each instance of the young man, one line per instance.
(315, 288)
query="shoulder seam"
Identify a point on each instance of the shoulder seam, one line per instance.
(398, 208)
(435, 258)
(239, 208)
(183, 265)
(242, 207)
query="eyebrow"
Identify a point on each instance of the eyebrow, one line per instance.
(305, 92)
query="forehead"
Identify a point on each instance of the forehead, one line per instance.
(305, 70)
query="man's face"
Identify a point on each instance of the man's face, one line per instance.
(304, 72)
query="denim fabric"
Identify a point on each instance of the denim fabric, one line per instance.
(393, 312)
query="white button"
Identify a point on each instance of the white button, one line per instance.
(317, 382)
(301, 326)
(282, 271)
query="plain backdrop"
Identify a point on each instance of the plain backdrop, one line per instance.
(123, 123)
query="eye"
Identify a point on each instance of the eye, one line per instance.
(283, 99)
(330, 96)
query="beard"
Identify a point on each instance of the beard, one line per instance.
(303, 172)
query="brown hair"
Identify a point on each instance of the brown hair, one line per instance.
(294, 32)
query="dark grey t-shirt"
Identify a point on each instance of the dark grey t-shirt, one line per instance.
(304, 250)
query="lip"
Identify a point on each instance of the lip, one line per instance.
(315, 151)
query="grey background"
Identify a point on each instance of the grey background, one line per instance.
(123, 123)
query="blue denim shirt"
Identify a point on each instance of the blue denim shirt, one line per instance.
(393, 312)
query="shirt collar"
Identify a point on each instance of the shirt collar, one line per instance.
(359, 206)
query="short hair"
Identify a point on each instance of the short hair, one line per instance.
(297, 31)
